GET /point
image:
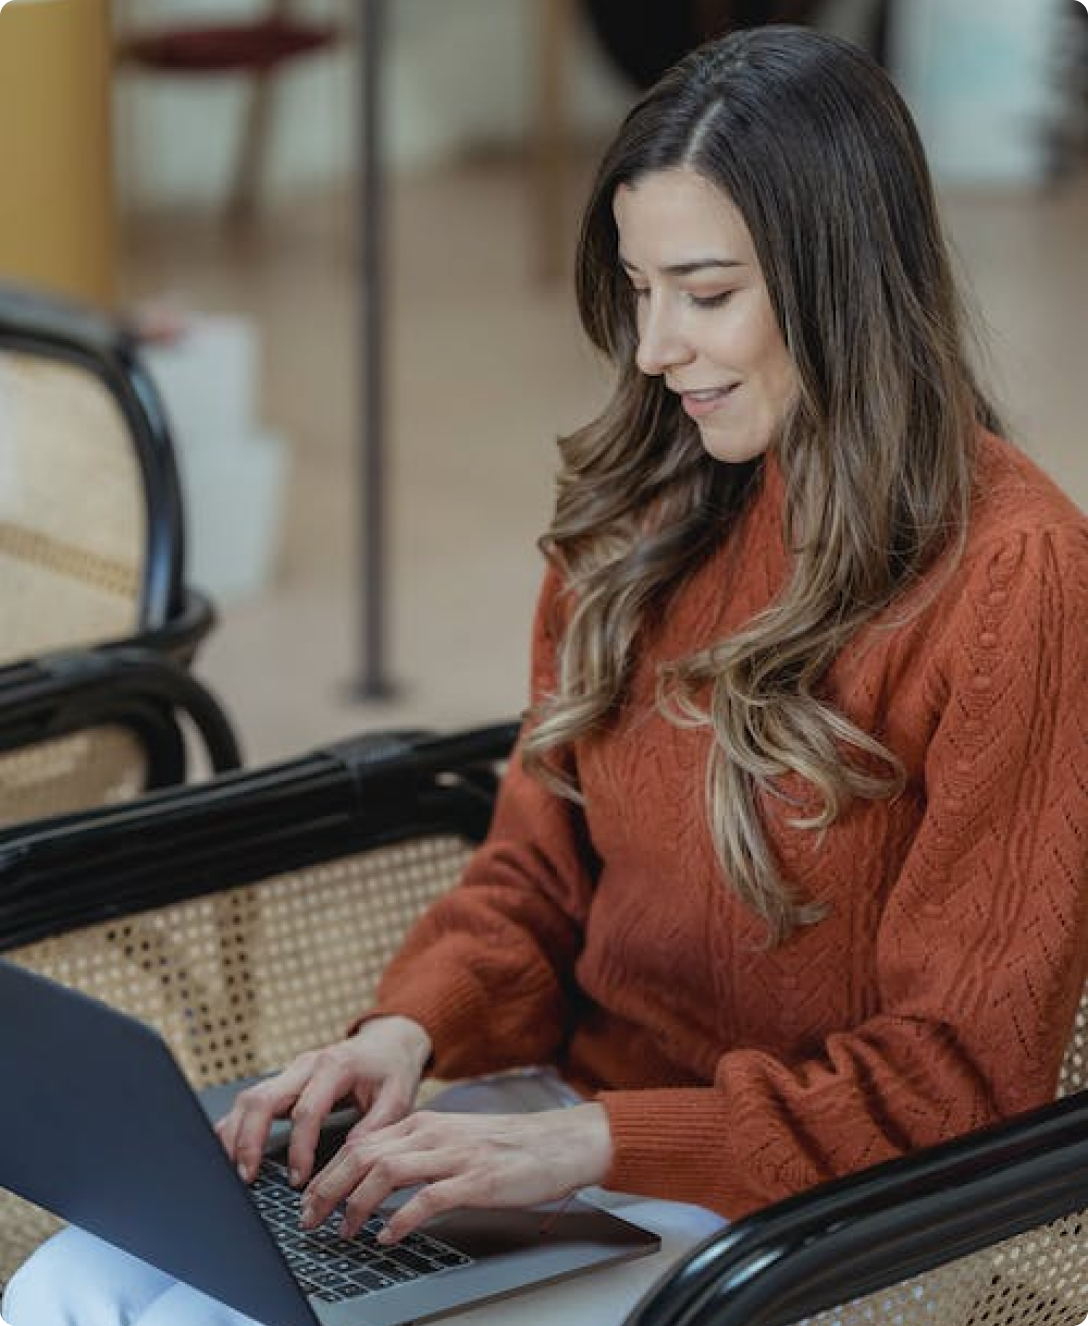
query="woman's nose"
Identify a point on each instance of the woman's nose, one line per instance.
(661, 344)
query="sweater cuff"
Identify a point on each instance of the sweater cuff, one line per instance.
(661, 1141)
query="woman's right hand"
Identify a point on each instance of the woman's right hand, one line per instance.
(379, 1069)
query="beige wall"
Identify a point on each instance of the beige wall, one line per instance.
(56, 176)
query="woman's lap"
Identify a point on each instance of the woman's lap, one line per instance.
(78, 1280)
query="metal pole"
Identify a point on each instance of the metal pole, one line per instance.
(372, 683)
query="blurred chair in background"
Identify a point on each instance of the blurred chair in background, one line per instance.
(97, 625)
(261, 48)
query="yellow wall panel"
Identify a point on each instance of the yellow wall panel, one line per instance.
(57, 221)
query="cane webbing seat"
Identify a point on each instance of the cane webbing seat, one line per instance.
(91, 545)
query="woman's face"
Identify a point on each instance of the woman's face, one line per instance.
(705, 320)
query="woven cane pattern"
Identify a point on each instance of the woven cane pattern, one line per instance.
(92, 768)
(1036, 1279)
(1074, 1074)
(241, 981)
(72, 514)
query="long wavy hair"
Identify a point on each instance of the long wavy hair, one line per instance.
(809, 139)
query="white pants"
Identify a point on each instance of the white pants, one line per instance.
(77, 1280)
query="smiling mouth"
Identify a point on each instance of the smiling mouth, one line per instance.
(700, 403)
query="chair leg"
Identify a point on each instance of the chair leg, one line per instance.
(244, 199)
(554, 31)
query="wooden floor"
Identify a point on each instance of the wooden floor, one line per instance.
(486, 368)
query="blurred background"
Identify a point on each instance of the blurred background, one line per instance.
(224, 188)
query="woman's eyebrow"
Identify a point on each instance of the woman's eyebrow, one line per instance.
(687, 268)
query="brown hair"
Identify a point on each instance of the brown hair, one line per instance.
(809, 139)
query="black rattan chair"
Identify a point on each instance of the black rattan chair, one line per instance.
(249, 918)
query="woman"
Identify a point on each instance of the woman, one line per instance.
(788, 875)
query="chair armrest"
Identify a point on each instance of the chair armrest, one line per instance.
(71, 871)
(852, 1237)
(129, 686)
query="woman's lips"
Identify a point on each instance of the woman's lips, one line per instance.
(698, 404)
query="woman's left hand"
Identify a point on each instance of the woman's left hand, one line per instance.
(462, 1160)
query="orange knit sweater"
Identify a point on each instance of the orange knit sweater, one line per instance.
(939, 992)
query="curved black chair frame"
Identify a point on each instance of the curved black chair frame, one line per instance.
(132, 687)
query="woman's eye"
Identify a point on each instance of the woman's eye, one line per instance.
(710, 301)
(640, 292)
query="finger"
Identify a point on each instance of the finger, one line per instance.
(244, 1130)
(331, 1080)
(349, 1174)
(344, 1172)
(392, 1103)
(363, 1181)
(434, 1199)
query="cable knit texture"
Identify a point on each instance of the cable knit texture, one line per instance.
(940, 991)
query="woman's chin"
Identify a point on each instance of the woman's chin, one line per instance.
(732, 446)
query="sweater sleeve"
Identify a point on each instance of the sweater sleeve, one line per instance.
(982, 945)
(488, 969)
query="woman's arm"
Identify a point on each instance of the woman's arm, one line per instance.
(488, 969)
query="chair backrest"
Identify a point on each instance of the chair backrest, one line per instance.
(91, 542)
(91, 548)
(250, 917)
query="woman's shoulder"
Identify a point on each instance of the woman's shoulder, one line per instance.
(1021, 578)
(1015, 500)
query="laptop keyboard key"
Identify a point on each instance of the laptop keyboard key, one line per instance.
(370, 1280)
(451, 1257)
(393, 1271)
(410, 1260)
(330, 1267)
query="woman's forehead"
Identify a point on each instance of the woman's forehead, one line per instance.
(676, 216)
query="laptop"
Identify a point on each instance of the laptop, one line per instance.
(99, 1125)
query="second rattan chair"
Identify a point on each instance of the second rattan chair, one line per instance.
(93, 597)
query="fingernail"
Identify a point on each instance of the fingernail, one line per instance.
(243, 1173)
(384, 1236)
(295, 1177)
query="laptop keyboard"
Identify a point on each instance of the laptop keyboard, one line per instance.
(333, 1269)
